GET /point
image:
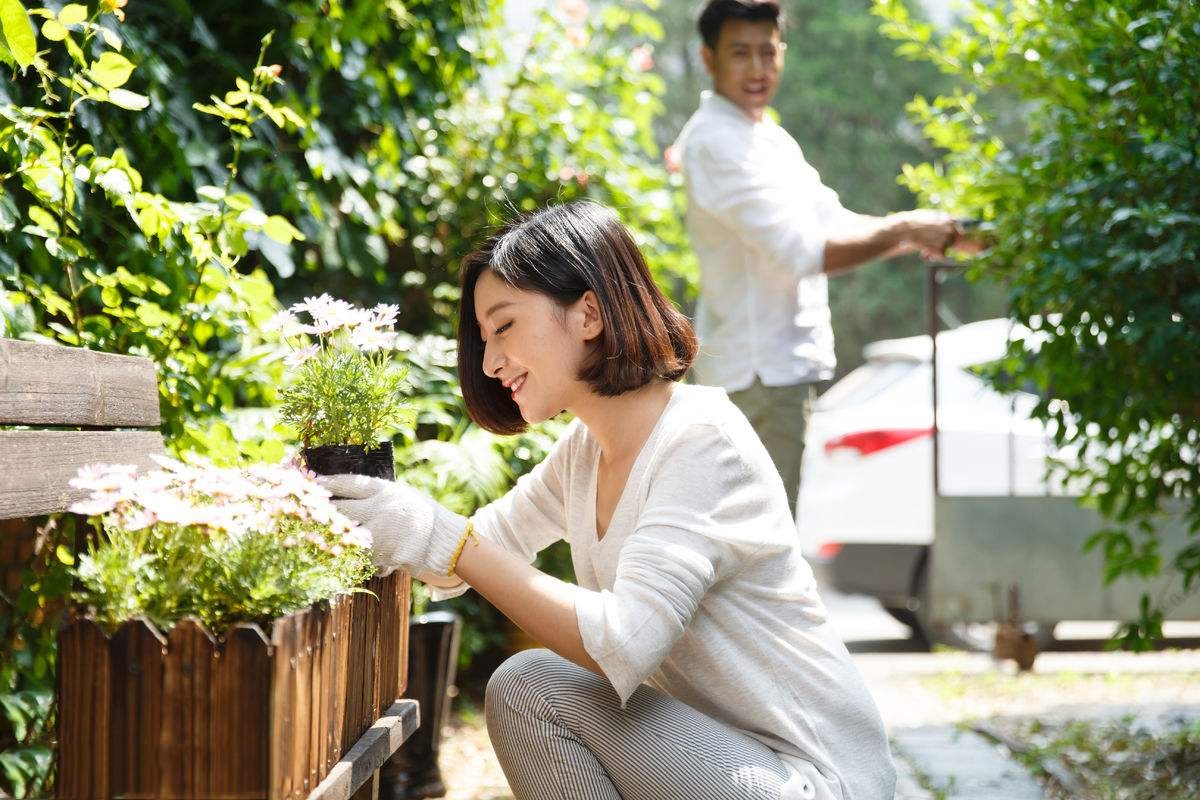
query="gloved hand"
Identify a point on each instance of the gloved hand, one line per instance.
(409, 529)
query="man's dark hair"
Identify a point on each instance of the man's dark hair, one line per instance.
(562, 252)
(717, 11)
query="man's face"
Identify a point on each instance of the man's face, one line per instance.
(746, 64)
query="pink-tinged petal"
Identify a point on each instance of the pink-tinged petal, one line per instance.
(298, 357)
(94, 506)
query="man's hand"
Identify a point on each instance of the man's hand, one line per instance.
(930, 233)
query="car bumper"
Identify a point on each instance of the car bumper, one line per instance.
(888, 572)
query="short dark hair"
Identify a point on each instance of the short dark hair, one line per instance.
(563, 251)
(717, 11)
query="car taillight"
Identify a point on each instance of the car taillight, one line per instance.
(867, 442)
(829, 550)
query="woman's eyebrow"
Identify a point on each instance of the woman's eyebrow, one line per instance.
(495, 307)
(498, 306)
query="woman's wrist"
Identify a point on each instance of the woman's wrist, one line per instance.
(468, 537)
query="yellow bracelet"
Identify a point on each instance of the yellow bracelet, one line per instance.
(469, 533)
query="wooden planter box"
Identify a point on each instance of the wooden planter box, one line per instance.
(185, 716)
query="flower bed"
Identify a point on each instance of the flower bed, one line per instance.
(229, 641)
(247, 714)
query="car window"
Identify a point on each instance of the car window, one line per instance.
(864, 383)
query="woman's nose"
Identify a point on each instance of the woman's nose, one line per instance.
(491, 361)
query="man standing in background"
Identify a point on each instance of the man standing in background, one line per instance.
(767, 232)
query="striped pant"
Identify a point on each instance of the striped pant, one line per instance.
(560, 734)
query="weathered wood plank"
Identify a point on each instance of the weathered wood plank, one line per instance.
(368, 754)
(136, 652)
(35, 466)
(392, 652)
(241, 714)
(46, 384)
(318, 622)
(84, 707)
(186, 762)
(303, 731)
(282, 717)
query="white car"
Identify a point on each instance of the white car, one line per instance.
(866, 504)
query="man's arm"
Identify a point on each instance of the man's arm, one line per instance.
(924, 231)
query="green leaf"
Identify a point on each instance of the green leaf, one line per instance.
(8, 214)
(111, 70)
(64, 555)
(73, 14)
(152, 315)
(54, 30)
(127, 99)
(18, 32)
(44, 219)
(281, 230)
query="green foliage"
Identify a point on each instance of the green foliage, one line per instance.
(1134, 758)
(344, 396)
(95, 258)
(28, 631)
(347, 389)
(222, 545)
(1090, 195)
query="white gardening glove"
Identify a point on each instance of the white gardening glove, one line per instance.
(408, 528)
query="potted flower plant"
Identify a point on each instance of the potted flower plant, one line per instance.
(348, 389)
(223, 646)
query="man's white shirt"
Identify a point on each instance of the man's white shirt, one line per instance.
(759, 216)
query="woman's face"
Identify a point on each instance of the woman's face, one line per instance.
(533, 346)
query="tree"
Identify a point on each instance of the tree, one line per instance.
(1091, 197)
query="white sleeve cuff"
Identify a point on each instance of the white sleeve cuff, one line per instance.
(437, 593)
(589, 614)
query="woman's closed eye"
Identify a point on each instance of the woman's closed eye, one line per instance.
(503, 328)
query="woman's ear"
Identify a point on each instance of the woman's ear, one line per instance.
(591, 325)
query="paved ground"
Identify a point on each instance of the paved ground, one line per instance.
(927, 699)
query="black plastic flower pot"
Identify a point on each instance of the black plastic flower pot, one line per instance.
(355, 459)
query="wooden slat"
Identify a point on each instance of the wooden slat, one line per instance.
(241, 718)
(84, 709)
(289, 708)
(319, 616)
(137, 705)
(186, 762)
(341, 679)
(329, 689)
(393, 637)
(280, 713)
(46, 384)
(367, 755)
(35, 466)
(405, 581)
(303, 731)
